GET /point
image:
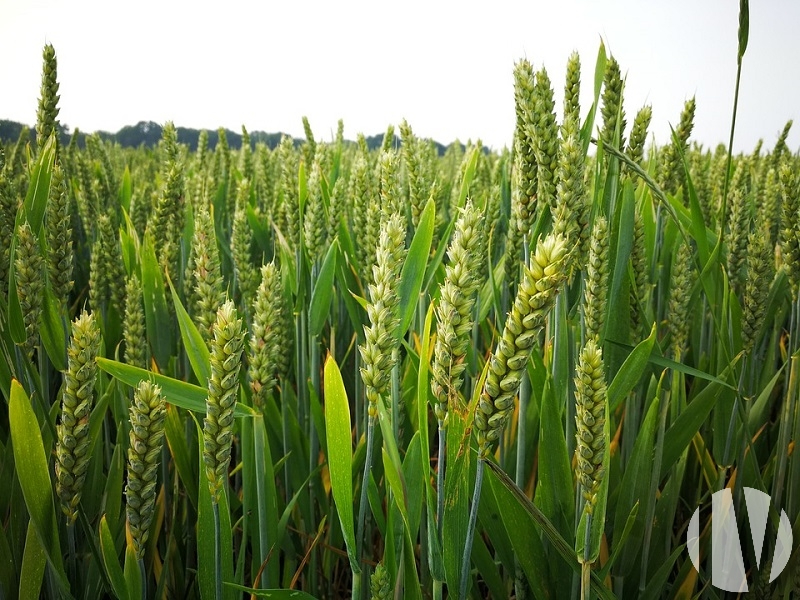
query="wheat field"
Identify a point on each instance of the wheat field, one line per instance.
(325, 370)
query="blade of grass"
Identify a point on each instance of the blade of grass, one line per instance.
(34, 479)
(340, 458)
(182, 394)
(413, 273)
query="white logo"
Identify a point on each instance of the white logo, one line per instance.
(727, 565)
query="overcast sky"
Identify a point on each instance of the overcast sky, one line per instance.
(445, 66)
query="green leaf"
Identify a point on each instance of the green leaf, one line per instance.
(599, 74)
(660, 361)
(488, 568)
(621, 241)
(157, 318)
(620, 542)
(266, 495)
(656, 585)
(272, 594)
(423, 394)
(39, 186)
(512, 499)
(634, 490)
(680, 434)
(397, 485)
(193, 343)
(555, 494)
(412, 589)
(8, 574)
(132, 573)
(111, 561)
(438, 257)
(523, 534)
(113, 489)
(435, 559)
(457, 494)
(389, 442)
(469, 175)
(129, 245)
(260, 229)
(423, 387)
(179, 393)
(414, 267)
(34, 560)
(34, 479)
(340, 454)
(176, 440)
(126, 190)
(631, 371)
(52, 332)
(322, 293)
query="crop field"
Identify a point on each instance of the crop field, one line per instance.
(326, 370)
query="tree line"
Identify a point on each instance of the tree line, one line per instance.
(148, 134)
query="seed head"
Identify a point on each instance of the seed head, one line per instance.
(266, 342)
(72, 444)
(147, 414)
(29, 273)
(223, 388)
(591, 407)
(535, 296)
(382, 309)
(454, 311)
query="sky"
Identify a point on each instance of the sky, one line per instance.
(445, 66)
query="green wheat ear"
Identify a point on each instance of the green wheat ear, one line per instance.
(535, 297)
(545, 140)
(591, 400)
(572, 90)
(267, 345)
(208, 291)
(596, 280)
(29, 272)
(641, 123)
(59, 237)
(47, 113)
(640, 284)
(612, 111)
(571, 211)
(679, 310)
(524, 200)
(106, 270)
(147, 414)
(72, 444)
(454, 311)
(241, 240)
(168, 219)
(672, 175)
(760, 261)
(223, 387)
(380, 584)
(382, 309)
(418, 184)
(315, 228)
(133, 328)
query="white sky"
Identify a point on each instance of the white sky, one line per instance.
(446, 66)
